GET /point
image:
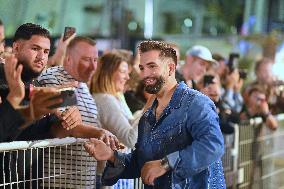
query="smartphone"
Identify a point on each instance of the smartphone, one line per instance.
(243, 74)
(233, 61)
(68, 31)
(69, 98)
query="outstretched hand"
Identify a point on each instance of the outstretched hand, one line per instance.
(70, 118)
(42, 99)
(99, 150)
(109, 139)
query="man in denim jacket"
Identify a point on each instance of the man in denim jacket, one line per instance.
(179, 141)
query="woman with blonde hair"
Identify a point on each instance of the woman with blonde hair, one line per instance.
(108, 85)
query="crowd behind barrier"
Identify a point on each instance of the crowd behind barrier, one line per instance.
(254, 158)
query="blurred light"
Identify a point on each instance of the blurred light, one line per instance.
(213, 31)
(233, 30)
(148, 19)
(184, 29)
(132, 26)
(187, 22)
(278, 66)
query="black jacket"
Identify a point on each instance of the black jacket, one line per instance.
(11, 119)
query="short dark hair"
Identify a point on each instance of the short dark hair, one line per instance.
(165, 49)
(78, 39)
(27, 30)
(1, 22)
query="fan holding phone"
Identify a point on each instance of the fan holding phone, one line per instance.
(210, 86)
(57, 58)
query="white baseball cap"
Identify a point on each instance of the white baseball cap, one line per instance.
(201, 52)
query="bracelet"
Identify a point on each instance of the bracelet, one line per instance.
(165, 164)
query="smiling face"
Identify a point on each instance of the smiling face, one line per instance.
(120, 76)
(32, 53)
(154, 71)
(196, 67)
(82, 61)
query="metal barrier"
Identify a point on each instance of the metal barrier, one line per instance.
(261, 155)
(254, 158)
(56, 163)
(230, 158)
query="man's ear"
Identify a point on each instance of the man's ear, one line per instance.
(172, 68)
(67, 61)
(16, 46)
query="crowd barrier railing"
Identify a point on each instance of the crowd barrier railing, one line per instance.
(56, 163)
(261, 155)
(254, 158)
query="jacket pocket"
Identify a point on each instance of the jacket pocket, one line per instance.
(167, 133)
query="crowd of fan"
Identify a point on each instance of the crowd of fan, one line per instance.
(111, 97)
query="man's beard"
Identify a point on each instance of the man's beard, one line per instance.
(156, 87)
(27, 73)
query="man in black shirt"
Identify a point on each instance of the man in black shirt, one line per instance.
(31, 47)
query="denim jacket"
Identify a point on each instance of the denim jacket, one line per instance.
(188, 134)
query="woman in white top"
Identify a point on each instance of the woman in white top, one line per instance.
(108, 84)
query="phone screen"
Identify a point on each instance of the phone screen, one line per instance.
(68, 32)
(69, 98)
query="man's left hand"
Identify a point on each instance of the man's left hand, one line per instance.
(152, 170)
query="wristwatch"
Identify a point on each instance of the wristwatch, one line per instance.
(165, 164)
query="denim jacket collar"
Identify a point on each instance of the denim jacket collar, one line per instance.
(176, 99)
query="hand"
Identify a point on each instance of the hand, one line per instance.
(15, 83)
(99, 150)
(62, 45)
(263, 108)
(152, 170)
(57, 58)
(109, 139)
(71, 118)
(238, 85)
(232, 79)
(42, 98)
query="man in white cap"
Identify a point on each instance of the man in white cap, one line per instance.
(198, 60)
